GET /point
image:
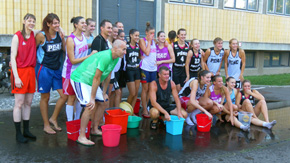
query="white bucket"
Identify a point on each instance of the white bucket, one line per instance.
(245, 118)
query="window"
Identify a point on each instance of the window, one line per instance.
(198, 2)
(276, 59)
(250, 59)
(279, 7)
(251, 5)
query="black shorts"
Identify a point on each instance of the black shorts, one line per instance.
(115, 84)
(178, 76)
(121, 78)
(167, 108)
(132, 75)
(193, 74)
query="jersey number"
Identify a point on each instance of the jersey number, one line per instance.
(134, 59)
(182, 59)
(197, 60)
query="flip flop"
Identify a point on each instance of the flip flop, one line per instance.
(88, 145)
(49, 133)
(98, 134)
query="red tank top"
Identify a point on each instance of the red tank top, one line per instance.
(26, 53)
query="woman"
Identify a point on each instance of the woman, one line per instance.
(213, 57)
(217, 92)
(132, 66)
(165, 55)
(91, 26)
(76, 52)
(194, 60)
(180, 48)
(23, 61)
(235, 62)
(246, 100)
(191, 96)
(50, 43)
(147, 65)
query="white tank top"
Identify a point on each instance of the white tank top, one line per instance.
(214, 61)
(80, 50)
(186, 90)
(234, 65)
(149, 62)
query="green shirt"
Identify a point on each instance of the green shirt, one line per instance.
(86, 71)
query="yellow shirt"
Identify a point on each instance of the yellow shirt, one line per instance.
(169, 42)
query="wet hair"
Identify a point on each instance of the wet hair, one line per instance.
(228, 79)
(172, 35)
(103, 23)
(191, 43)
(159, 33)
(216, 40)
(163, 68)
(27, 16)
(148, 27)
(89, 21)
(246, 81)
(202, 73)
(180, 30)
(48, 19)
(76, 20)
(231, 41)
(131, 32)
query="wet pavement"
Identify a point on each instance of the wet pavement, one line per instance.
(223, 143)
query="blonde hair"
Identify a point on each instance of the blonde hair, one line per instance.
(231, 41)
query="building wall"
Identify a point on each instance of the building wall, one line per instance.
(206, 23)
(13, 11)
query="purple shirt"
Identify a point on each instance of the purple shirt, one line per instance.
(215, 97)
(162, 54)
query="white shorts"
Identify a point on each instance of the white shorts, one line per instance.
(83, 93)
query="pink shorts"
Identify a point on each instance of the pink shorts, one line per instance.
(184, 100)
(67, 87)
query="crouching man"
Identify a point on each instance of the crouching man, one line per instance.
(159, 95)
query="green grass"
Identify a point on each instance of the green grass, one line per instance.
(280, 79)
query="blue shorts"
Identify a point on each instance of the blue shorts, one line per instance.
(47, 79)
(147, 76)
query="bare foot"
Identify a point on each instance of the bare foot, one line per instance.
(85, 141)
(220, 118)
(55, 125)
(49, 130)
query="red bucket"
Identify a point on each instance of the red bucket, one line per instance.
(73, 129)
(137, 107)
(203, 123)
(117, 116)
(111, 135)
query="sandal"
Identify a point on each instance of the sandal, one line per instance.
(153, 125)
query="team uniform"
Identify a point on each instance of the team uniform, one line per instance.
(214, 61)
(178, 68)
(100, 44)
(148, 64)
(49, 74)
(80, 50)
(163, 97)
(26, 61)
(215, 97)
(195, 64)
(82, 77)
(114, 74)
(234, 68)
(162, 54)
(250, 97)
(132, 63)
(184, 94)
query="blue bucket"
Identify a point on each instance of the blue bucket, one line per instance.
(175, 125)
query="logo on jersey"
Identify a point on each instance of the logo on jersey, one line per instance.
(23, 43)
(53, 47)
(161, 55)
(233, 62)
(213, 60)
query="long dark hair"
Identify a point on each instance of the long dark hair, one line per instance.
(48, 19)
(131, 32)
(27, 16)
(202, 73)
(75, 20)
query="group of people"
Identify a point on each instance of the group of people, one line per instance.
(94, 71)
